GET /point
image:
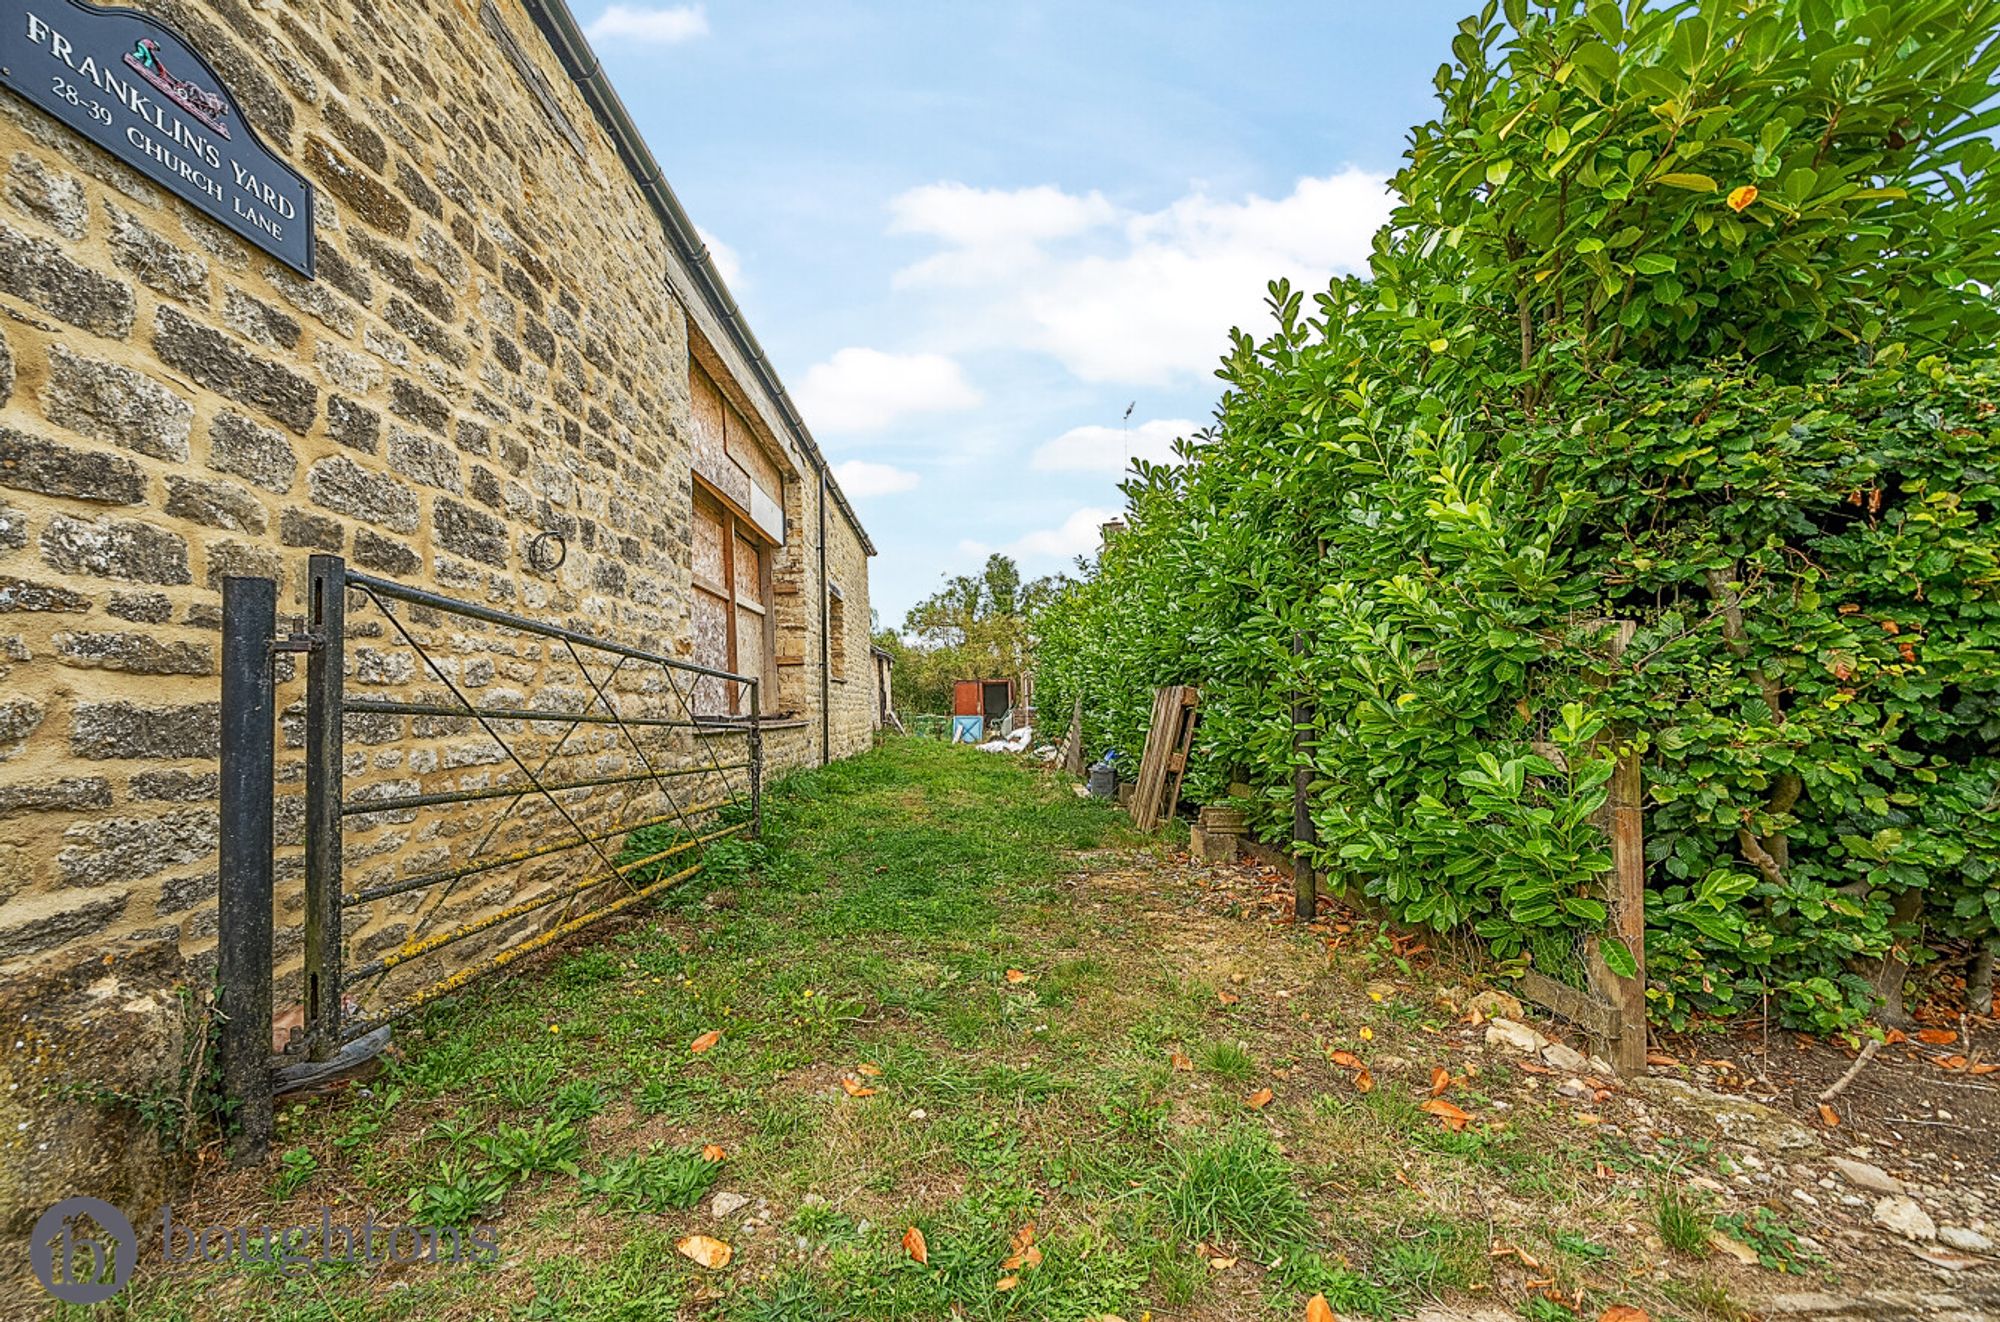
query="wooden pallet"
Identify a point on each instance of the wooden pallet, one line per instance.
(1158, 790)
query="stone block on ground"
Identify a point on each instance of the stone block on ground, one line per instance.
(1900, 1214)
(1736, 1118)
(102, 1021)
(1496, 1004)
(1514, 1036)
(1866, 1175)
(1213, 846)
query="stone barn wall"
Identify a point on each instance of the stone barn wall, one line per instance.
(497, 345)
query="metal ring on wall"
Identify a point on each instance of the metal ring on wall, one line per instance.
(538, 553)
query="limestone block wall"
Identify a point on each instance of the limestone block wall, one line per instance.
(496, 346)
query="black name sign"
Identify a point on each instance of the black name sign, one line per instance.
(131, 85)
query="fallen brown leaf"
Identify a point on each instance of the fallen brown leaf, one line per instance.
(1028, 1257)
(1319, 1310)
(1016, 976)
(1623, 1313)
(1453, 1118)
(872, 1071)
(1364, 1081)
(1346, 1059)
(1222, 1264)
(705, 1041)
(1227, 998)
(855, 1088)
(1937, 1037)
(913, 1244)
(710, 1253)
(1258, 1100)
(1830, 1116)
(713, 1152)
(1661, 1060)
(1181, 1062)
(1005, 1283)
(1440, 1079)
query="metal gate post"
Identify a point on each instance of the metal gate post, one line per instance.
(244, 877)
(757, 759)
(326, 606)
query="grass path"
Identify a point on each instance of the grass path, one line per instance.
(957, 997)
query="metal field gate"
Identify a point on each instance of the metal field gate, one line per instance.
(476, 785)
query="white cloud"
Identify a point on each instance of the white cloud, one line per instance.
(1135, 297)
(1078, 535)
(861, 479)
(727, 263)
(644, 23)
(861, 390)
(989, 231)
(1111, 449)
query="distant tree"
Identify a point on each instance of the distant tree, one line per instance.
(976, 626)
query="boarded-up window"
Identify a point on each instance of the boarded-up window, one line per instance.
(765, 506)
(732, 628)
(752, 655)
(730, 458)
(749, 587)
(710, 429)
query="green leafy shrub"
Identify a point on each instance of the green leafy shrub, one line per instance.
(1775, 1242)
(516, 1152)
(657, 1180)
(1682, 323)
(457, 1195)
(296, 1168)
(730, 860)
(577, 1100)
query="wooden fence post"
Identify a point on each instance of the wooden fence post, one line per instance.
(1623, 821)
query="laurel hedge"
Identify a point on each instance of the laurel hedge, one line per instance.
(1683, 320)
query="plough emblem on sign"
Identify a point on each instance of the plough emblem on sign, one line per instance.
(204, 105)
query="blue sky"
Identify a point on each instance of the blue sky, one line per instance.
(970, 236)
